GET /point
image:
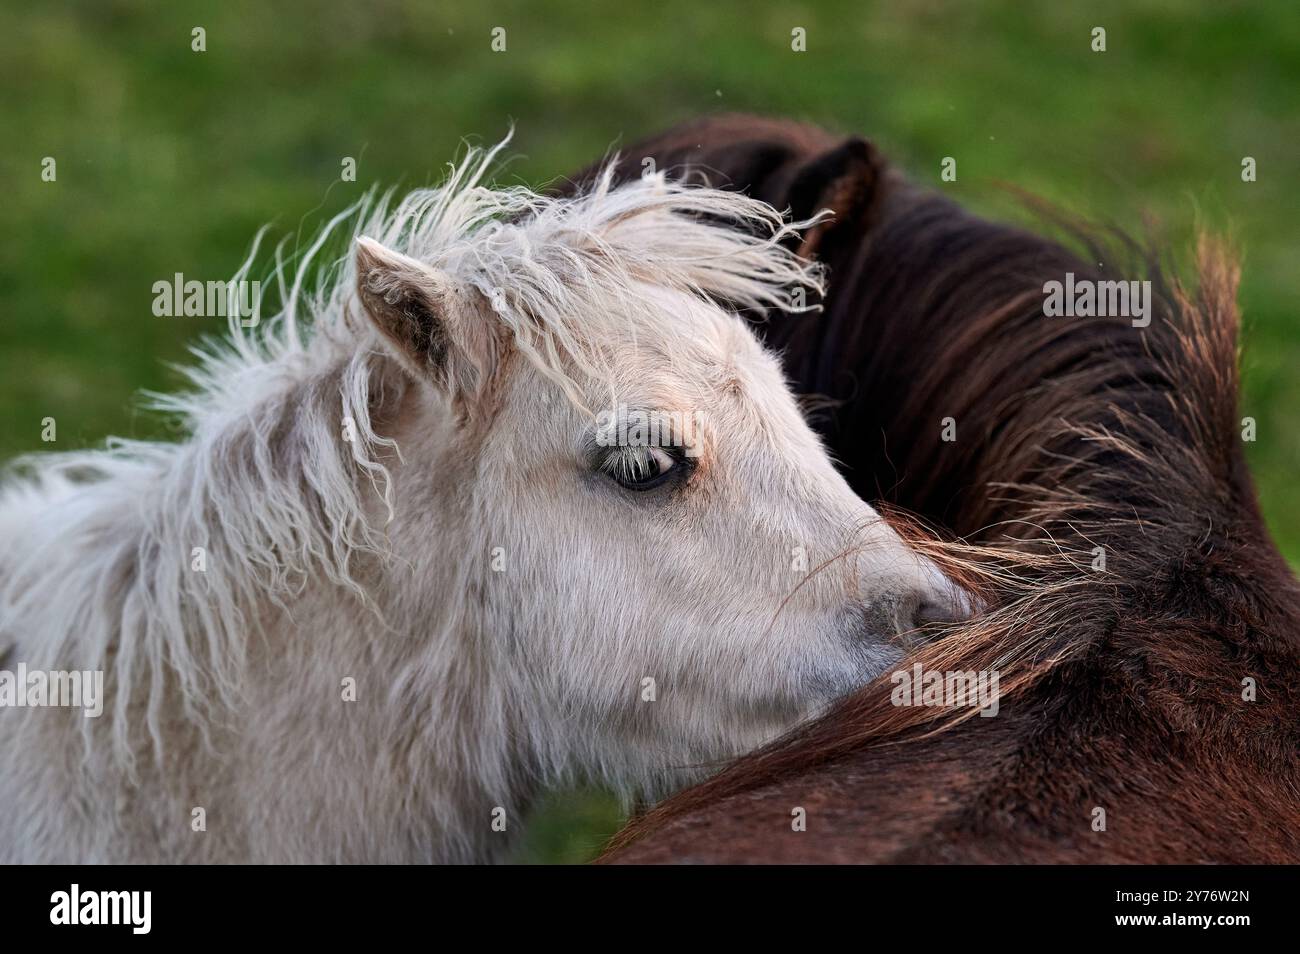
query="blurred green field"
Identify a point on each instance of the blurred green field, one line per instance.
(169, 160)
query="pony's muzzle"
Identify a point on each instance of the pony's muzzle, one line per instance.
(906, 607)
(943, 602)
(936, 600)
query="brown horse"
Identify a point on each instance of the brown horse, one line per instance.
(1145, 629)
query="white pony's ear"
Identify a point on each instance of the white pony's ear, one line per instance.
(435, 327)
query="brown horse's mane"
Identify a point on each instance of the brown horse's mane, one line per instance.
(1121, 686)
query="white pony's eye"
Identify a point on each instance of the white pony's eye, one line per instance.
(643, 468)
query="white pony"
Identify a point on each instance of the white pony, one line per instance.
(408, 568)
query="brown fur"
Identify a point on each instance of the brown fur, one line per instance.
(1120, 689)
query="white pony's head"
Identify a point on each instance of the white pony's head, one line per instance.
(525, 485)
(643, 537)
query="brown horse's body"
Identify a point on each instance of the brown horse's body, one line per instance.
(1125, 688)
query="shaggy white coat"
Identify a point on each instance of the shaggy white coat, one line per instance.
(511, 619)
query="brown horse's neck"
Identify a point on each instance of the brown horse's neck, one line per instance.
(1163, 645)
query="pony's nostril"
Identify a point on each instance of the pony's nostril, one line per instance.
(936, 601)
(904, 616)
(949, 604)
(900, 601)
(931, 611)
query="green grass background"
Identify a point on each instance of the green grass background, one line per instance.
(169, 160)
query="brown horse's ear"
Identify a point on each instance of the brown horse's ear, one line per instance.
(435, 327)
(845, 179)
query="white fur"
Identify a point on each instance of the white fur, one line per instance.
(330, 559)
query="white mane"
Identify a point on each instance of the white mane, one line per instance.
(262, 479)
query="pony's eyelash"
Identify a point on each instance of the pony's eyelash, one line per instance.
(626, 463)
(632, 463)
(645, 467)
